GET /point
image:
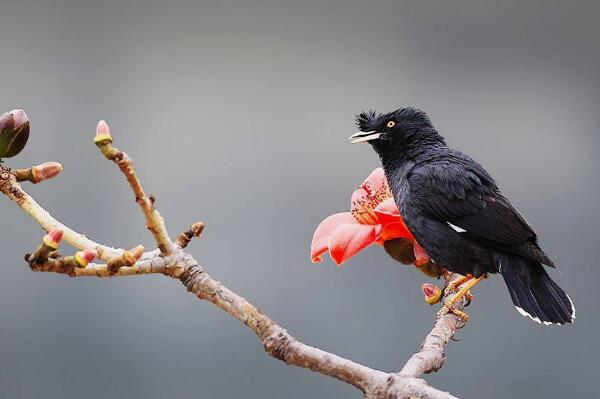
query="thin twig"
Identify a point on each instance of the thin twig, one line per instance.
(154, 221)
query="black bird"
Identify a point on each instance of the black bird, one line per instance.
(457, 213)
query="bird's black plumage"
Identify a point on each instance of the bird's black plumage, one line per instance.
(456, 211)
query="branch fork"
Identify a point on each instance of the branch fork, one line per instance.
(171, 259)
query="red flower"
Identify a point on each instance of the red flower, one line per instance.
(374, 218)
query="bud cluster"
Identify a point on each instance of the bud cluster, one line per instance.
(46, 256)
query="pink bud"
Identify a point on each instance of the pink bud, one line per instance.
(432, 293)
(55, 235)
(52, 239)
(19, 116)
(46, 171)
(102, 131)
(428, 289)
(84, 257)
(89, 255)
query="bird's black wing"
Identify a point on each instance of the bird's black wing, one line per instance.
(455, 189)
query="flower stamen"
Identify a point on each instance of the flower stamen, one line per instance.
(363, 207)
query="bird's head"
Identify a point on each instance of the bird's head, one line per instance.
(403, 127)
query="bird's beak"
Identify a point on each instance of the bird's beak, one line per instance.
(363, 137)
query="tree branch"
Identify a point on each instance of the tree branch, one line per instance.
(171, 260)
(431, 357)
(15, 193)
(154, 222)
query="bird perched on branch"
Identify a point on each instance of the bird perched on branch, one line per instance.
(457, 213)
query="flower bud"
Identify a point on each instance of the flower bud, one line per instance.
(19, 117)
(14, 132)
(102, 133)
(83, 258)
(133, 255)
(52, 239)
(432, 293)
(45, 171)
(401, 250)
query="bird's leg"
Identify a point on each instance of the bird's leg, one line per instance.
(458, 282)
(454, 286)
(464, 291)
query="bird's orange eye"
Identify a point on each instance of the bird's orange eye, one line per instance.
(391, 124)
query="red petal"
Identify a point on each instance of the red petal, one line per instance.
(349, 239)
(394, 230)
(320, 241)
(421, 256)
(387, 212)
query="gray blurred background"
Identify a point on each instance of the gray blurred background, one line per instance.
(238, 113)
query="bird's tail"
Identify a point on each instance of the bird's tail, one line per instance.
(533, 292)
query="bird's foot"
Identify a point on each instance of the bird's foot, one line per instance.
(463, 292)
(449, 308)
(454, 285)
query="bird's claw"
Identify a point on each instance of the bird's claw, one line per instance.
(456, 284)
(464, 292)
(449, 308)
